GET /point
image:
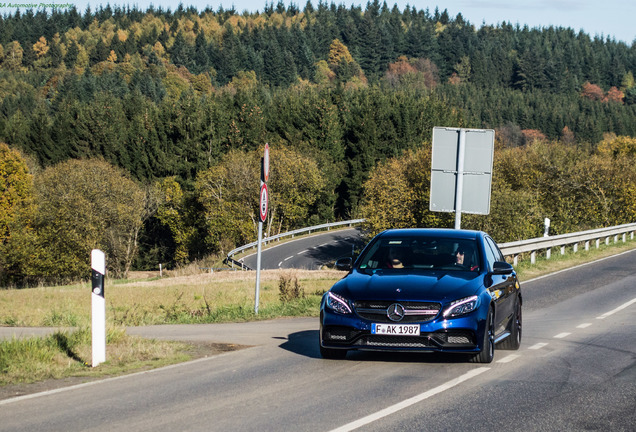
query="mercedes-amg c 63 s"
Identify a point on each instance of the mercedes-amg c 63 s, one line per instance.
(439, 290)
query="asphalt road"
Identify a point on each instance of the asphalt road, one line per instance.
(310, 252)
(575, 371)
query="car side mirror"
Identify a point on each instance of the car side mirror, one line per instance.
(344, 264)
(502, 268)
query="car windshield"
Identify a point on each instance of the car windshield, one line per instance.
(421, 253)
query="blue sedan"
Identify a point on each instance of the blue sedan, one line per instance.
(424, 290)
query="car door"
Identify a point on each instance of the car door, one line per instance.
(502, 288)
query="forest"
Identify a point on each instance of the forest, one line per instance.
(155, 120)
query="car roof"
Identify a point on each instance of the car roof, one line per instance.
(432, 232)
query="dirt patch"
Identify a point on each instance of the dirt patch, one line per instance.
(195, 350)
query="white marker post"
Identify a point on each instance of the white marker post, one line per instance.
(98, 264)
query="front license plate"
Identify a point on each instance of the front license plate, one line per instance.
(396, 329)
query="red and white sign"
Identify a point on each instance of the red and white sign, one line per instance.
(263, 203)
(266, 163)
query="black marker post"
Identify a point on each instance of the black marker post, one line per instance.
(98, 264)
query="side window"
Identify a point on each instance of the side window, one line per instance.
(495, 250)
(490, 255)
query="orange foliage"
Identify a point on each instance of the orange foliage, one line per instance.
(615, 95)
(592, 91)
(532, 135)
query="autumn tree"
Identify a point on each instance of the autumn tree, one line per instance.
(342, 63)
(397, 194)
(592, 91)
(296, 183)
(412, 73)
(172, 213)
(80, 205)
(13, 55)
(15, 188)
(615, 95)
(228, 194)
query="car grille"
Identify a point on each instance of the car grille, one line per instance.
(455, 338)
(448, 339)
(395, 341)
(376, 311)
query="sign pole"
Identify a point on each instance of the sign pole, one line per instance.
(258, 266)
(262, 210)
(98, 305)
(459, 191)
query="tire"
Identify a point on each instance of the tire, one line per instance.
(513, 342)
(488, 346)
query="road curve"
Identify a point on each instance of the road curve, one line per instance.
(309, 252)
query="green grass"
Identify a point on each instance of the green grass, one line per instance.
(68, 354)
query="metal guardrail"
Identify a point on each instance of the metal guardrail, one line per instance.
(532, 246)
(231, 261)
(511, 249)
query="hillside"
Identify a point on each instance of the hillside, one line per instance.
(179, 100)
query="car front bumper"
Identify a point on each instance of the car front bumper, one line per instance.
(452, 335)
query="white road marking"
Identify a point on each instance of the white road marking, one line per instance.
(509, 358)
(412, 401)
(620, 308)
(302, 252)
(562, 335)
(576, 267)
(537, 346)
(584, 325)
(280, 264)
(288, 258)
(105, 380)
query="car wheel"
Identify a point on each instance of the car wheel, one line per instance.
(488, 346)
(513, 342)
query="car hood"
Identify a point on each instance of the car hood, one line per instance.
(412, 286)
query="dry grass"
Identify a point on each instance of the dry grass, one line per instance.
(558, 262)
(155, 301)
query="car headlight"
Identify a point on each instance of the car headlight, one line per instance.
(462, 307)
(337, 303)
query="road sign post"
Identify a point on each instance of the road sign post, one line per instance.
(98, 306)
(461, 171)
(263, 205)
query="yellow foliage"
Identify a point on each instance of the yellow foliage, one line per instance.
(243, 81)
(41, 47)
(112, 57)
(338, 52)
(617, 146)
(324, 75)
(237, 21)
(15, 187)
(82, 60)
(175, 84)
(122, 35)
(13, 57)
(202, 83)
(159, 50)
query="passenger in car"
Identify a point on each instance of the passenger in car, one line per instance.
(395, 258)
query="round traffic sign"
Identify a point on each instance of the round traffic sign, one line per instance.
(263, 203)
